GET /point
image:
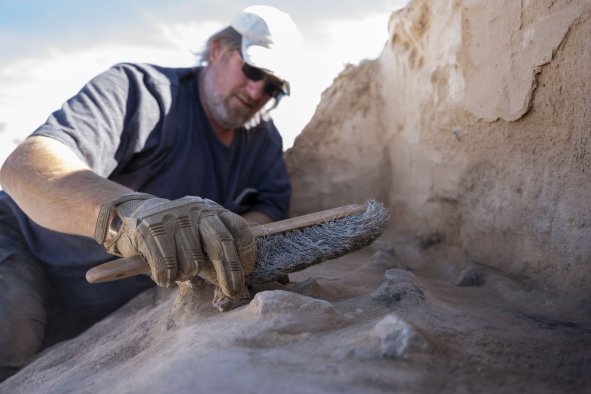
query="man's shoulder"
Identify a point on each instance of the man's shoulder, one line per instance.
(154, 74)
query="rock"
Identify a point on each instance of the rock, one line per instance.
(398, 338)
(293, 311)
(396, 275)
(469, 277)
(308, 287)
(398, 286)
(277, 313)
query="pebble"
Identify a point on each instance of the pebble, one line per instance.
(398, 286)
(469, 277)
(398, 338)
(285, 311)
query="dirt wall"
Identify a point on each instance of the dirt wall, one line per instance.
(474, 127)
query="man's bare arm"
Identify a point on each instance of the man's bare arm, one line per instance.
(55, 188)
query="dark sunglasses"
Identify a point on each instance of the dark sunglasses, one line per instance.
(272, 88)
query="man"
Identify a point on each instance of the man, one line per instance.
(136, 160)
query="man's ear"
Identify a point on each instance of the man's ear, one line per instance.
(216, 51)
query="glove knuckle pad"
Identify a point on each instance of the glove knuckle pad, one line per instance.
(243, 238)
(221, 249)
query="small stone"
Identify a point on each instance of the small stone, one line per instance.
(469, 277)
(224, 304)
(396, 275)
(288, 312)
(397, 286)
(398, 338)
(308, 287)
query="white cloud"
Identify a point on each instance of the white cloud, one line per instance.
(33, 87)
(343, 42)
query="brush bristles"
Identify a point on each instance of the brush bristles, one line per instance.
(295, 250)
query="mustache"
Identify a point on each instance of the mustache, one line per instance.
(246, 100)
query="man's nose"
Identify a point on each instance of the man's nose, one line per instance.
(255, 89)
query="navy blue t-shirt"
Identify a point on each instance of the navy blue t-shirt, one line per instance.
(143, 126)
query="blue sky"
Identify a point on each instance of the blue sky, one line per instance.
(50, 48)
(28, 25)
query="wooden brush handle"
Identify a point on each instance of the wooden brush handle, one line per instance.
(129, 266)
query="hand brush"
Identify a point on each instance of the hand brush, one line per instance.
(287, 246)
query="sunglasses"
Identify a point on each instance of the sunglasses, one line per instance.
(272, 88)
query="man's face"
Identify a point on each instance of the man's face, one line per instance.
(231, 99)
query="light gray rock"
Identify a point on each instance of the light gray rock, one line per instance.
(279, 316)
(396, 275)
(398, 338)
(289, 311)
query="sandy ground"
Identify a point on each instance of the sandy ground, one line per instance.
(381, 320)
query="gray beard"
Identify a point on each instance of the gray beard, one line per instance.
(217, 108)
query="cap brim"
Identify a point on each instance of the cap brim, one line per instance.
(266, 59)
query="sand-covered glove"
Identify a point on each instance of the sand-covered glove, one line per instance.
(180, 239)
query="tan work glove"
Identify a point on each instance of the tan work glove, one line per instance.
(180, 239)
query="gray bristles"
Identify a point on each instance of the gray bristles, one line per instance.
(295, 250)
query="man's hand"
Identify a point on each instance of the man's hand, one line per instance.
(180, 239)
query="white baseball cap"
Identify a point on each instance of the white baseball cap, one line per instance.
(270, 39)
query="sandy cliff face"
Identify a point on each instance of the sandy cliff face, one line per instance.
(474, 126)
